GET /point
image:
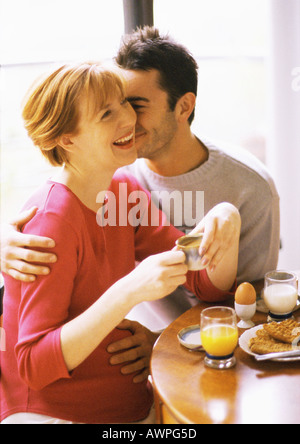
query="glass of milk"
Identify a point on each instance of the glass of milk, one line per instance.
(280, 294)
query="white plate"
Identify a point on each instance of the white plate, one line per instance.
(190, 338)
(251, 333)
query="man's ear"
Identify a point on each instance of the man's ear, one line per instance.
(65, 142)
(185, 106)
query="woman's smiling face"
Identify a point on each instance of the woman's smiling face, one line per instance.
(105, 137)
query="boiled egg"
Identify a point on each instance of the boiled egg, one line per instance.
(245, 294)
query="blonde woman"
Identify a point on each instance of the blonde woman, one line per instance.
(58, 327)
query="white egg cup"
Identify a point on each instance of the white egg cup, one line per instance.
(245, 313)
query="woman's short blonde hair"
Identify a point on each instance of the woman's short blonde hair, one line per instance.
(51, 106)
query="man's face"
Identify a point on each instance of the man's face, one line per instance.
(156, 124)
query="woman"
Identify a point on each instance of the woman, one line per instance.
(58, 327)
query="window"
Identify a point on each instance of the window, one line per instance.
(229, 41)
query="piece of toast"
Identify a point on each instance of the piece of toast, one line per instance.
(263, 343)
(287, 331)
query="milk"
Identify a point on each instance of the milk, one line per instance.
(280, 298)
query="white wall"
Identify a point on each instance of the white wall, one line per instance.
(283, 143)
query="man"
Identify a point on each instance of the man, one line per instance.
(162, 88)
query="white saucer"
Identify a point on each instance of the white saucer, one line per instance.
(190, 338)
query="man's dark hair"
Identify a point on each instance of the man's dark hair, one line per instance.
(145, 49)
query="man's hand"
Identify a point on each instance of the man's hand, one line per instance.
(17, 258)
(220, 227)
(135, 350)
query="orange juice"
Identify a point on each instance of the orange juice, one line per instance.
(219, 340)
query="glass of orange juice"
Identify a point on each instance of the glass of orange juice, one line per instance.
(219, 336)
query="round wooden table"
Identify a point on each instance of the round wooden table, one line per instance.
(187, 392)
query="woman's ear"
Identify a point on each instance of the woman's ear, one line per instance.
(65, 142)
(185, 106)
